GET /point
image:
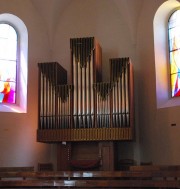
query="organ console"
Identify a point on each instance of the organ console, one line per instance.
(88, 109)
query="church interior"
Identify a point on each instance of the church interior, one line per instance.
(132, 32)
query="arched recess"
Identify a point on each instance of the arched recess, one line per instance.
(163, 94)
(22, 64)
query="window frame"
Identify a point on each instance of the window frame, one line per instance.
(21, 65)
(161, 55)
(170, 51)
(17, 59)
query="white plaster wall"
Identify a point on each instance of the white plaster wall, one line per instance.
(18, 144)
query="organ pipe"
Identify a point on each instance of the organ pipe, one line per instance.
(103, 91)
(83, 51)
(48, 87)
(88, 105)
(120, 100)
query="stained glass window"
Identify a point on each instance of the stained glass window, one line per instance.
(174, 52)
(8, 59)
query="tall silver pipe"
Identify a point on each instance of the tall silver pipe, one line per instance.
(41, 99)
(75, 85)
(87, 92)
(127, 92)
(91, 91)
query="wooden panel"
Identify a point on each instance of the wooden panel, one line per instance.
(90, 134)
(45, 167)
(107, 155)
(85, 155)
(85, 150)
(101, 152)
(63, 156)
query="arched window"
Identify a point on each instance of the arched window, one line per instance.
(13, 64)
(161, 49)
(174, 52)
(8, 60)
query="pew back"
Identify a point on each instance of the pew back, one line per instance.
(92, 179)
(154, 167)
(16, 169)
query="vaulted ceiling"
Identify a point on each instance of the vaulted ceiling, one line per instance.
(51, 10)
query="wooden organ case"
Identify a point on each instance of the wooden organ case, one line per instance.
(87, 117)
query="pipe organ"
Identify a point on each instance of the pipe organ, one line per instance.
(120, 70)
(88, 109)
(49, 83)
(86, 64)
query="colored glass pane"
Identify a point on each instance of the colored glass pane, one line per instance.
(8, 58)
(174, 50)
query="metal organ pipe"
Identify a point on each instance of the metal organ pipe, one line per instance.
(83, 79)
(120, 78)
(91, 91)
(88, 103)
(127, 93)
(103, 91)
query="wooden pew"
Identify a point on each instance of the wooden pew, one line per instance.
(92, 179)
(16, 169)
(153, 167)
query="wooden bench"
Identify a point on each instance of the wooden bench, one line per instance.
(153, 167)
(16, 169)
(92, 179)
